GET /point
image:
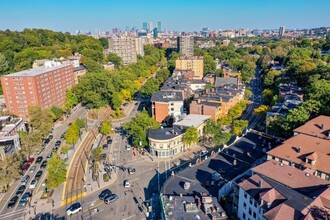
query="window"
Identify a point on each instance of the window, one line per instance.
(250, 211)
(245, 195)
(244, 216)
(254, 214)
(172, 109)
(244, 205)
(172, 104)
(251, 200)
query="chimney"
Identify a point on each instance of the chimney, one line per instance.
(298, 150)
(260, 183)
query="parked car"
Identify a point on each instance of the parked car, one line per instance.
(62, 136)
(12, 202)
(38, 175)
(25, 199)
(33, 184)
(110, 199)
(43, 164)
(50, 137)
(30, 160)
(74, 208)
(55, 148)
(46, 141)
(25, 167)
(105, 193)
(127, 184)
(20, 190)
(105, 146)
(108, 138)
(25, 179)
(103, 156)
(49, 155)
(32, 169)
(109, 141)
(39, 159)
(58, 143)
(131, 170)
(128, 147)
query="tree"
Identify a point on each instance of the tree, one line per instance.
(57, 112)
(65, 149)
(116, 101)
(56, 172)
(190, 136)
(72, 134)
(239, 126)
(106, 127)
(261, 110)
(115, 59)
(126, 95)
(71, 99)
(247, 93)
(30, 142)
(138, 126)
(40, 120)
(80, 122)
(4, 65)
(96, 154)
(209, 64)
(9, 170)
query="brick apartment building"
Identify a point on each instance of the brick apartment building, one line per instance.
(44, 86)
(166, 105)
(308, 149)
(218, 101)
(193, 63)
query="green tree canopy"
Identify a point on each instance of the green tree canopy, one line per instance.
(106, 127)
(56, 172)
(190, 136)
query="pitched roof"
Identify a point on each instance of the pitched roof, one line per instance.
(307, 145)
(281, 212)
(290, 176)
(318, 127)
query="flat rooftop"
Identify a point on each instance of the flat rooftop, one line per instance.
(192, 120)
(36, 71)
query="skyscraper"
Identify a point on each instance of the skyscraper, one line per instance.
(145, 26)
(185, 45)
(159, 26)
(281, 31)
(151, 26)
(155, 33)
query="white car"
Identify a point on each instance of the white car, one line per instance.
(32, 169)
(73, 209)
(33, 184)
(127, 184)
(128, 147)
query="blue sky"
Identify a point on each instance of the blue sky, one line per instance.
(183, 15)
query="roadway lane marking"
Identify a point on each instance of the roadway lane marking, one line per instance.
(67, 173)
(129, 217)
(7, 215)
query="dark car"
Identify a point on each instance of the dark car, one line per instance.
(103, 156)
(63, 135)
(39, 159)
(38, 175)
(105, 193)
(57, 143)
(109, 141)
(43, 164)
(108, 138)
(110, 199)
(12, 202)
(50, 137)
(20, 190)
(46, 141)
(55, 148)
(105, 146)
(25, 167)
(25, 199)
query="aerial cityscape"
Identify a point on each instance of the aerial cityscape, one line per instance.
(172, 110)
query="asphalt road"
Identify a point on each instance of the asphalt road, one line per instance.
(19, 212)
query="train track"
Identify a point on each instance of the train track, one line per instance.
(75, 185)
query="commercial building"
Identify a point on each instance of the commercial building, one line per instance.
(159, 26)
(201, 206)
(278, 191)
(44, 86)
(124, 47)
(191, 120)
(217, 102)
(145, 26)
(281, 31)
(191, 63)
(9, 139)
(309, 149)
(166, 105)
(185, 45)
(165, 142)
(155, 33)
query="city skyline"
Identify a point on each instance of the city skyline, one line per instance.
(177, 16)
